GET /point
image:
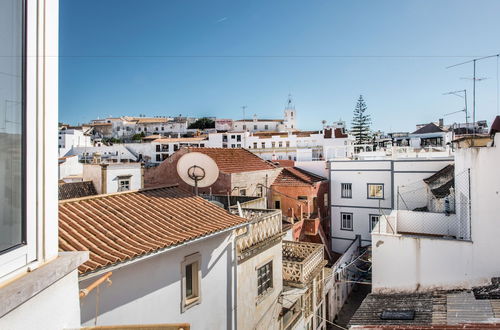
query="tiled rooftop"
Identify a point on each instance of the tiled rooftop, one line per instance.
(76, 190)
(235, 160)
(293, 176)
(123, 226)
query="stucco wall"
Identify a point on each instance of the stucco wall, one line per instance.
(251, 181)
(251, 312)
(411, 263)
(149, 291)
(56, 307)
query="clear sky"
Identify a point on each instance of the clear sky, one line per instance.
(209, 58)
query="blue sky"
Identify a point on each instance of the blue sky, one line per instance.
(209, 58)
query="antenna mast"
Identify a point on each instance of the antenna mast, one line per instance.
(474, 85)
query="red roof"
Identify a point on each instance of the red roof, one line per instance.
(235, 160)
(293, 176)
(123, 226)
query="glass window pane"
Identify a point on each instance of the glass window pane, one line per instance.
(11, 123)
(189, 280)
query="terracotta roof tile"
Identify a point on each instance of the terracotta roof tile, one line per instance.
(122, 226)
(235, 160)
(293, 176)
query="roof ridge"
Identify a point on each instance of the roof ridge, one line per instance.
(117, 193)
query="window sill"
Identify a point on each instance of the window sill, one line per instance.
(30, 284)
(264, 295)
(188, 303)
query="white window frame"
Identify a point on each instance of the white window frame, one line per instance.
(370, 219)
(346, 190)
(30, 254)
(123, 179)
(351, 220)
(195, 299)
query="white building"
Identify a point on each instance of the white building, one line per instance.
(459, 249)
(114, 177)
(362, 190)
(431, 135)
(70, 169)
(38, 285)
(126, 127)
(104, 154)
(72, 137)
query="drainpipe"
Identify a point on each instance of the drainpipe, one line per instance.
(104, 178)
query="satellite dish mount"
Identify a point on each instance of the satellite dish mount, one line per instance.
(196, 173)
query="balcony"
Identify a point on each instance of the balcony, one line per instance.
(301, 262)
(263, 230)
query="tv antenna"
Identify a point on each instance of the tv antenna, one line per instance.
(459, 94)
(197, 170)
(474, 79)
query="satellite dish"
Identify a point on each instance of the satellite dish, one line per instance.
(197, 170)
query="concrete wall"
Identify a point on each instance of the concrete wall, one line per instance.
(404, 263)
(251, 181)
(252, 312)
(318, 167)
(149, 291)
(56, 307)
(70, 167)
(93, 172)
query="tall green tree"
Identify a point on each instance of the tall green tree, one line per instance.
(203, 123)
(360, 125)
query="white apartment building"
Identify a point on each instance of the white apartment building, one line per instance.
(72, 137)
(38, 284)
(457, 249)
(104, 154)
(364, 189)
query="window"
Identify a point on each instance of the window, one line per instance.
(280, 144)
(232, 137)
(265, 278)
(288, 144)
(243, 192)
(176, 147)
(191, 281)
(238, 138)
(158, 148)
(346, 190)
(273, 144)
(263, 145)
(255, 145)
(12, 127)
(233, 145)
(238, 145)
(224, 138)
(375, 190)
(158, 158)
(244, 127)
(277, 205)
(374, 218)
(254, 127)
(162, 128)
(325, 199)
(302, 198)
(346, 221)
(266, 127)
(123, 183)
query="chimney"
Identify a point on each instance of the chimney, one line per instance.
(142, 175)
(441, 122)
(104, 178)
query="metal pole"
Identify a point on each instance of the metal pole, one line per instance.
(474, 100)
(466, 115)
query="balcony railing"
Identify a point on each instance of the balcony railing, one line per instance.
(263, 228)
(301, 261)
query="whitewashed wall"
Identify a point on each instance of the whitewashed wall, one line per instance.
(149, 291)
(70, 167)
(403, 263)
